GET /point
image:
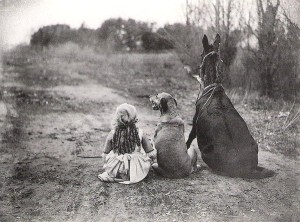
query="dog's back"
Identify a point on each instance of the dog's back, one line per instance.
(172, 157)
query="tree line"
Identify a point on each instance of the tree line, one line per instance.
(115, 34)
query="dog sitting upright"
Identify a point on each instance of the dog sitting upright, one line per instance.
(173, 158)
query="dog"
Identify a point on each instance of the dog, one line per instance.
(174, 160)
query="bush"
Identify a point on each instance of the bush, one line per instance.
(153, 41)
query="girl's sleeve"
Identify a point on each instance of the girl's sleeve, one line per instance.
(149, 149)
(108, 143)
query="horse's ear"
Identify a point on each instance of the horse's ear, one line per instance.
(217, 42)
(205, 43)
(164, 105)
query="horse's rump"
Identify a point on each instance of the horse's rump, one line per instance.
(223, 136)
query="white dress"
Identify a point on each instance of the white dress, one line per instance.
(137, 163)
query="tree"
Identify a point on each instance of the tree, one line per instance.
(267, 44)
(156, 42)
(185, 39)
(85, 36)
(123, 34)
(111, 32)
(134, 31)
(225, 12)
(59, 34)
(276, 58)
(213, 17)
(52, 35)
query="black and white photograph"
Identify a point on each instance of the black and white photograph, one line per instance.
(149, 110)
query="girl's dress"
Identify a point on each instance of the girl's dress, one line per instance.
(127, 168)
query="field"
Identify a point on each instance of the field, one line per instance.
(57, 104)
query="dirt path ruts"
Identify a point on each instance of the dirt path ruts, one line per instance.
(45, 128)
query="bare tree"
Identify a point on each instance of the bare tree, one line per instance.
(214, 17)
(276, 58)
(225, 12)
(267, 48)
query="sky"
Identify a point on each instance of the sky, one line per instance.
(21, 18)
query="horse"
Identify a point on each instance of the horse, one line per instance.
(224, 140)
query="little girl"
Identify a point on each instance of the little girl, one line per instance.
(128, 152)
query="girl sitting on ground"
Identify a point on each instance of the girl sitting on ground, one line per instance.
(128, 152)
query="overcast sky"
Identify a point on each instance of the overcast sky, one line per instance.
(20, 18)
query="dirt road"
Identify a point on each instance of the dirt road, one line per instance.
(49, 119)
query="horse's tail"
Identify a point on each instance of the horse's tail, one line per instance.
(256, 173)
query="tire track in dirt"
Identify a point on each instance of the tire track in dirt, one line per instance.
(10, 135)
(45, 139)
(24, 177)
(99, 198)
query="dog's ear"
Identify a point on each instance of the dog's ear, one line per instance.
(164, 104)
(175, 101)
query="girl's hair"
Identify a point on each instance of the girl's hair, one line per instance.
(125, 138)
